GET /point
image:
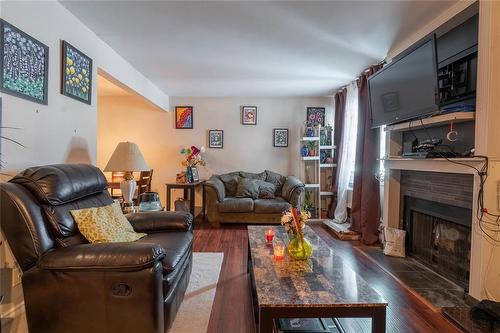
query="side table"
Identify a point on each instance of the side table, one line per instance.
(189, 194)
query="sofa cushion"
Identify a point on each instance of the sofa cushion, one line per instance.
(230, 181)
(235, 205)
(176, 245)
(277, 205)
(276, 179)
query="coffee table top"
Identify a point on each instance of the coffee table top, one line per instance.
(324, 280)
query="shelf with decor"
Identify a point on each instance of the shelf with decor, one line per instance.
(318, 153)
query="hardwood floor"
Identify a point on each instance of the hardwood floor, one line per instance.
(232, 311)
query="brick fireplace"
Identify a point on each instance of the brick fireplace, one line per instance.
(436, 212)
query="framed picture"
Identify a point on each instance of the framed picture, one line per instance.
(76, 74)
(184, 117)
(280, 136)
(316, 116)
(249, 115)
(194, 174)
(215, 139)
(25, 64)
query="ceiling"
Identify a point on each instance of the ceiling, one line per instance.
(253, 48)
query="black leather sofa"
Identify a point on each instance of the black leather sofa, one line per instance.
(70, 285)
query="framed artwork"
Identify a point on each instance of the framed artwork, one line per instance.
(76, 74)
(215, 139)
(184, 117)
(25, 64)
(280, 136)
(316, 116)
(194, 174)
(249, 115)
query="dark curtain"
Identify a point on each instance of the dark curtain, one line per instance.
(340, 98)
(365, 214)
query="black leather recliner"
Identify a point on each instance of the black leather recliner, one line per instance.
(73, 286)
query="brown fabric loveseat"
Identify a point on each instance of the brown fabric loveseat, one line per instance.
(228, 202)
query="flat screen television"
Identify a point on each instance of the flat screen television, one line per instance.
(407, 87)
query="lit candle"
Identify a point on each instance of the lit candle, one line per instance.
(269, 235)
(279, 250)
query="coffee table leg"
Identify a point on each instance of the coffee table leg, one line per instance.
(378, 320)
(266, 324)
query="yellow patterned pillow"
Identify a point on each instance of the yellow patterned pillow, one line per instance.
(105, 224)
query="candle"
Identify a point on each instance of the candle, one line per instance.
(279, 250)
(269, 235)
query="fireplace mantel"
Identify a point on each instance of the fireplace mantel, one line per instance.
(434, 164)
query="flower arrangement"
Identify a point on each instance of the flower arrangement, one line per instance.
(193, 156)
(294, 221)
(295, 224)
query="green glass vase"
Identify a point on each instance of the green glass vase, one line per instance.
(300, 248)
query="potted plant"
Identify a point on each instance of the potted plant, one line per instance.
(299, 247)
(312, 148)
(308, 203)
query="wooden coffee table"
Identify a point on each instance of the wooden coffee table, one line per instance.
(324, 286)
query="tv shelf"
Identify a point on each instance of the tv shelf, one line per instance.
(443, 119)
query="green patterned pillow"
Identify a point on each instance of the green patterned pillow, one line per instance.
(105, 224)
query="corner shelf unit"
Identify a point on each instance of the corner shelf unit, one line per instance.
(316, 168)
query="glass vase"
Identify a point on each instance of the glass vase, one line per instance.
(300, 248)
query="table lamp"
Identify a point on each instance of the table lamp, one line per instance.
(127, 158)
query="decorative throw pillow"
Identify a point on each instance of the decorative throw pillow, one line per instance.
(261, 176)
(230, 181)
(266, 190)
(276, 179)
(255, 189)
(247, 188)
(105, 224)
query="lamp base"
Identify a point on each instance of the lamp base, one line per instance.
(128, 189)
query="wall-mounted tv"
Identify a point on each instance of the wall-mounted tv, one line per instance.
(407, 87)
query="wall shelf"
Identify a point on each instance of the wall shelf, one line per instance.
(310, 138)
(443, 119)
(311, 185)
(328, 165)
(325, 193)
(328, 147)
(310, 158)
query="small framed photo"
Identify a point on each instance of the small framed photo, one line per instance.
(215, 139)
(194, 174)
(184, 117)
(76, 74)
(280, 136)
(248, 115)
(316, 116)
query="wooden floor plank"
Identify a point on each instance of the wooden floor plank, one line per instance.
(232, 311)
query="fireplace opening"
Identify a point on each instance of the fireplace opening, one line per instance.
(439, 236)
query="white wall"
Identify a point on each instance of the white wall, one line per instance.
(65, 129)
(248, 148)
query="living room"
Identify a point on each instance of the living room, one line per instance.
(184, 166)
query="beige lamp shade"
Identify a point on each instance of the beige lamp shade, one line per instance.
(126, 157)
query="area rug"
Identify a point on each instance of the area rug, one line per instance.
(194, 313)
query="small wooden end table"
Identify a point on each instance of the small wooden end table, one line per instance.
(189, 194)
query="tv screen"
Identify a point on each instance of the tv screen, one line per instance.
(407, 87)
